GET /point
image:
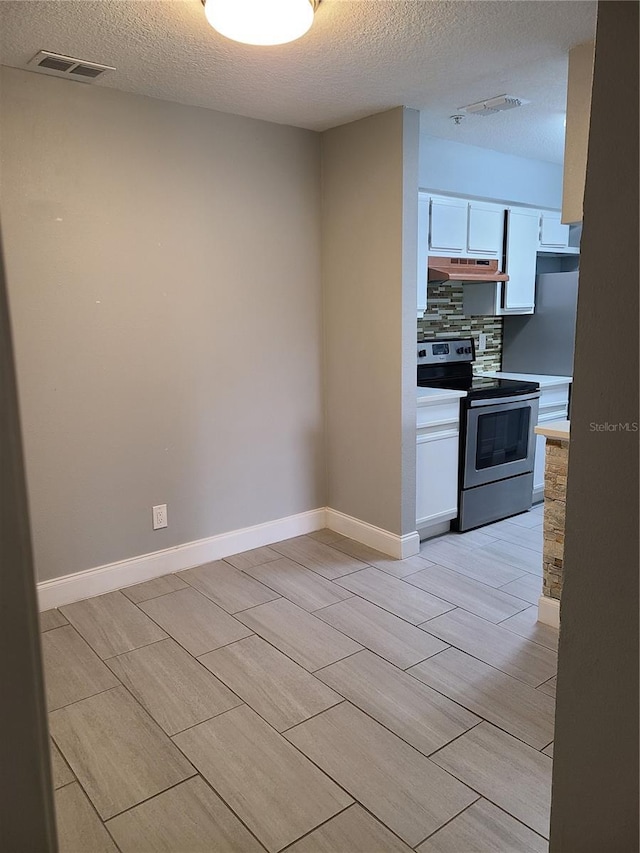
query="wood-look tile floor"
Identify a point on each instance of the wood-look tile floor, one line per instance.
(313, 696)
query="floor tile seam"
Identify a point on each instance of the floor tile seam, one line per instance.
(106, 820)
(451, 819)
(231, 612)
(388, 728)
(521, 544)
(466, 652)
(148, 711)
(537, 642)
(355, 798)
(437, 565)
(382, 725)
(474, 577)
(386, 609)
(81, 636)
(480, 660)
(355, 803)
(196, 775)
(284, 595)
(475, 802)
(145, 712)
(153, 597)
(472, 613)
(95, 811)
(84, 698)
(340, 553)
(231, 809)
(137, 648)
(299, 751)
(495, 726)
(55, 627)
(483, 796)
(547, 747)
(128, 600)
(428, 657)
(309, 613)
(469, 578)
(476, 713)
(175, 640)
(504, 560)
(249, 705)
(284, 654)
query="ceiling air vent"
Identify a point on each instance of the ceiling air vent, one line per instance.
(494, 105)
(68, 66)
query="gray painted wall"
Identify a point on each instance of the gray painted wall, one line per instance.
(453, 167)
(163, 266)
(369, 222)
(595, 777)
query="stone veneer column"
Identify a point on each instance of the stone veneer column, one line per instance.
(555, 496)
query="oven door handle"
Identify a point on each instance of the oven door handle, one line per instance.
(500, 401)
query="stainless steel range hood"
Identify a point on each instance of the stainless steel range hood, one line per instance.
(464, 269)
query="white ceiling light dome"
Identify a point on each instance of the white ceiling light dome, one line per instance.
(261, 22)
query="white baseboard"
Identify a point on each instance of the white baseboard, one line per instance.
(112, 576)
(549, 611)
(392, 544)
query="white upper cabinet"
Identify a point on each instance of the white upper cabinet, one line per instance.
(522, 243)
(448, 226)
(553, 233)
(485, 230)
(458, 226)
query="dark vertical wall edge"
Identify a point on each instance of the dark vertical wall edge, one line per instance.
(595, 776)
(27, 818)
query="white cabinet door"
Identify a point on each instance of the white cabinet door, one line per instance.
(436, 477)
(448, 226)
(553, 234)
(485, 230)
(423, 252)
(521, 247)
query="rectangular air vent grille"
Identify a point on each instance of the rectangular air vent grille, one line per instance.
(494, 105)
(68, 66)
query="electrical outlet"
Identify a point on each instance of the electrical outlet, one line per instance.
(482, 345)
(159, 516)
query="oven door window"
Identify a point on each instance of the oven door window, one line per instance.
(502, 437)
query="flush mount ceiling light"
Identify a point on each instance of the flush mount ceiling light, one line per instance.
(491, 106)
(261, 22)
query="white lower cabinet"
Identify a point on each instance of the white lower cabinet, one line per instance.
(437, 465)
(554, 404)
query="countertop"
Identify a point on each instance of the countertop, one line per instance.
(543, 379)
(431, 395)
(554, 429)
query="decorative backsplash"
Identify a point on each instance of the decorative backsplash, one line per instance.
(444, 318)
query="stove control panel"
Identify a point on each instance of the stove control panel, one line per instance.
(453, 351)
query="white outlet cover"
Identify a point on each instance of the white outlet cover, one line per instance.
(159, 514)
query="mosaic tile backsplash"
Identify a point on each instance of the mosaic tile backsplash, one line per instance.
(444, 318)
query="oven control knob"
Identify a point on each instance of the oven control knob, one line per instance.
(467, 349)
(460, 350)
(422, 353)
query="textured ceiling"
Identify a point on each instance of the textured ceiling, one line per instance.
(359, 58)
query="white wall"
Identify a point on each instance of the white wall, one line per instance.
(369, 221)
(163, 266)
(453, 167)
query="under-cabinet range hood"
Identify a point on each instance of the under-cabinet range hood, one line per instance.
(464, 269)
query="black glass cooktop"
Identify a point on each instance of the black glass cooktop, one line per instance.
(479, 387)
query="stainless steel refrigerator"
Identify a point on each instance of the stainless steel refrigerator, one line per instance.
(543, 342)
